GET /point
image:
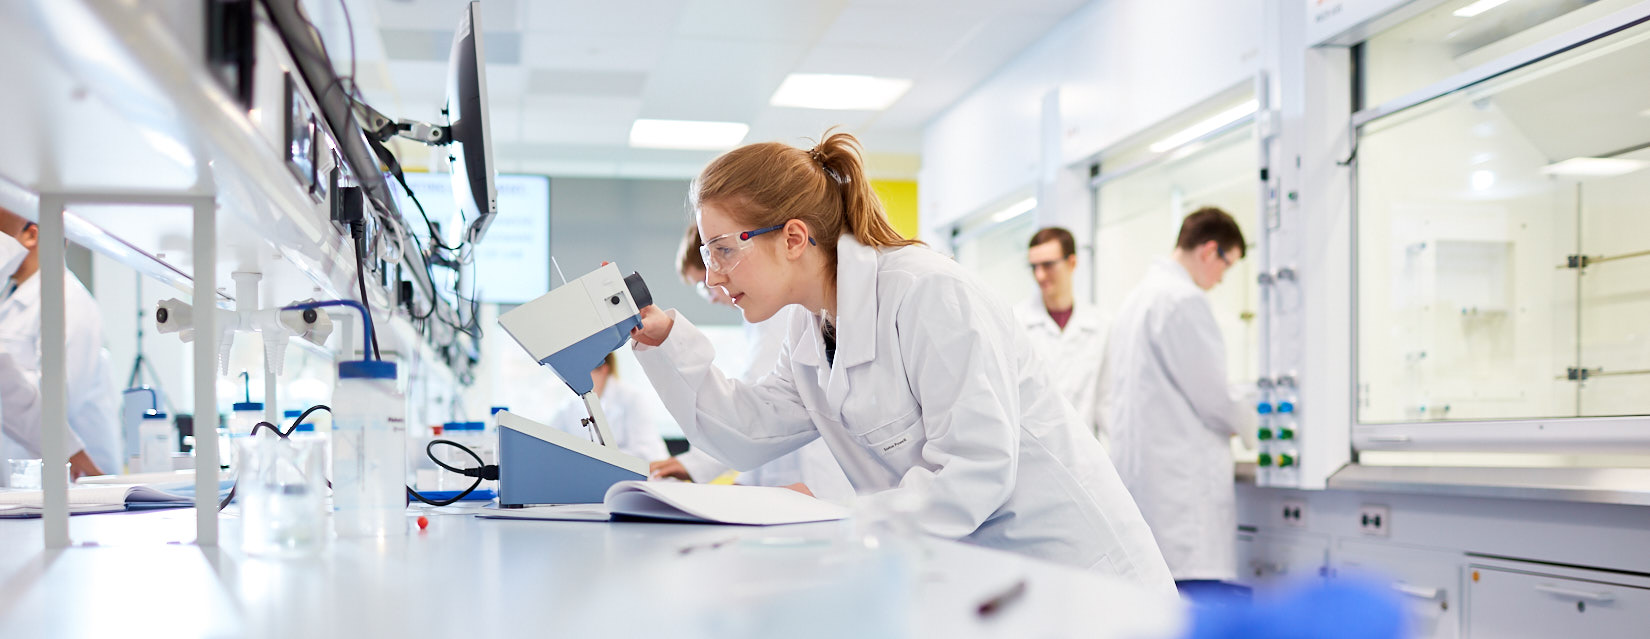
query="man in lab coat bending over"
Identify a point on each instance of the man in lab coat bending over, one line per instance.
(92, 398)
(1069, 335)
(1169, 411)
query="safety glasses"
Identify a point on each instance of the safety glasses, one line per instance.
(724, 252)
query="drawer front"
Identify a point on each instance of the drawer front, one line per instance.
(1505, 604)
(1429, 581)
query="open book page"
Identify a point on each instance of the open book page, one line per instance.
(747, 505)
(88, 499)
(564, 512)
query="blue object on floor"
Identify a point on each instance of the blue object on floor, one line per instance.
(1339, 609)
(479, 494)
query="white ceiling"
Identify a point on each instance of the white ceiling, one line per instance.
(567, 77)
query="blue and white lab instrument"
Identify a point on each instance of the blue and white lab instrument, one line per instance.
(570, 329)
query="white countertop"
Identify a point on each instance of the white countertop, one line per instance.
(139, 574)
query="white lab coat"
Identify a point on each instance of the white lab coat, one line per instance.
(934, 398)
(1073, 356)
(812, 464)
(19, 397)
(1171, 419)
(93, 402)
(629, 416)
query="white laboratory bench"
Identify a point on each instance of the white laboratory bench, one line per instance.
(139, 574)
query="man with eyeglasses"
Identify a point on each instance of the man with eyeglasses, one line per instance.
(1069, 335)
(812, 468)
(1169, 410)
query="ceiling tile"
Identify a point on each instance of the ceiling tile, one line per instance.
(578, 120)
(717, 80)
(592, 83)
(592, 52)
(759, 20)
(652, 18)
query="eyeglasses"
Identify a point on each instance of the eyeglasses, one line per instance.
(704, 291)
(724, 252)
(1222, 256)
(1043, 266)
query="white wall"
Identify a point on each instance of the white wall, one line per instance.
(1117, 67)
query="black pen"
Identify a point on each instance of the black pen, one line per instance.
(1002, 600)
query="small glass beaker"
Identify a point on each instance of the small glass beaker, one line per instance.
(23, 474)
(281, 486)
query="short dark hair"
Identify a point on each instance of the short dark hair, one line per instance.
(1068, 244)
(1210, 223)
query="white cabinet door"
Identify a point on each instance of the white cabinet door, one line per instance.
(1265, 560)
(1507, 604)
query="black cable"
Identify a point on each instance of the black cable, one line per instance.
(277, 430)
(358, 230)
(482, 471)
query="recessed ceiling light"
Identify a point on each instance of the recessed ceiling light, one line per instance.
(1482, 180)
(838, 92)
(687, 134)
(1214, 123)
(1594, 167)
(1478, 7)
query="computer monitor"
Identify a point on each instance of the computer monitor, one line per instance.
(472, 145)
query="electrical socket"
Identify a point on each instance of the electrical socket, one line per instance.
(1375, 520)
(1293, 512)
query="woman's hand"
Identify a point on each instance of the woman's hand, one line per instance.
(671, 468)
(656, 325)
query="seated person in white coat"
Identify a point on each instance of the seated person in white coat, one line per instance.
(629, 415)
(94, 438)
(919, 381)
(810, 469)
(1071, 335)
(1170, 413)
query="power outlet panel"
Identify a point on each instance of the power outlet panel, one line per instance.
(1375, 520)
(1293, 512)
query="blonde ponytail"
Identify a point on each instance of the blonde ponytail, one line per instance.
(825, 187)
(839, 156)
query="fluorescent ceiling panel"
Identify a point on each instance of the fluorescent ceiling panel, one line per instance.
(1594, 167)
(687, 134)
(838, 92)
(1478, 7)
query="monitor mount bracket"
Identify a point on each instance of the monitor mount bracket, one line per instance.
(382, 128)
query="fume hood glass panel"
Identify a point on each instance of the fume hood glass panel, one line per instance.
(997, 255)
(1446, 40)
(1501, 273)
(1138, 219)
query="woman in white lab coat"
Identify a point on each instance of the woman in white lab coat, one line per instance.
(921, 384)
(810, 469)
(635, 431)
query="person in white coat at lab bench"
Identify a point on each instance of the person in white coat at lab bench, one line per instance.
(1171, 415)
(1071, 335)
(810, 469)
(628, 413)
(92, 398)
(923, 386)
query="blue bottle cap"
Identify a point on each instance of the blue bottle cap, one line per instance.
(496, 409)
(240, 406)
(1286, 407)
(153, 414)
(366, 369)
(291, 413)
(306, 427)
(1263, 408)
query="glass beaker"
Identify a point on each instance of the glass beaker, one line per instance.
(282, 491)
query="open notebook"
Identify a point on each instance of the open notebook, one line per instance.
(675, 501)
(94, 499)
